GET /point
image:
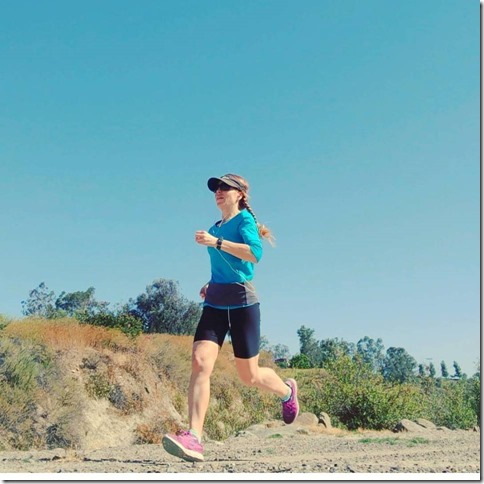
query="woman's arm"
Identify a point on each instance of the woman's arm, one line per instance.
(242, 251)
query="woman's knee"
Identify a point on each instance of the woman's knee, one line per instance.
(248, 378)
(248, 381)
(203, 359)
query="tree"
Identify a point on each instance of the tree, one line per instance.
(308, 345)
(431, 370)
(80, 303)
(44, 304)
(332, 348)
(398, 366)
(164, 310)
(264, 344)
(457, 370)
(477, 374)
(477, 364)
(40, 303)
(280, 352)
(421, 370)
(372, 352)
(443, 369)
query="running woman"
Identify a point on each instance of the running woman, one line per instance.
(230, 303)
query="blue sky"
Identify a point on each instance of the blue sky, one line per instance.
(356, 123)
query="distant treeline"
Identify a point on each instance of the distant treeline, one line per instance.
(395, 364)
(161, 309)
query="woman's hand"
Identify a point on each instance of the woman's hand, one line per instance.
(203, 291)
(202, 237)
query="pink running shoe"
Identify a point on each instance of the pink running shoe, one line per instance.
(290, 409)
(184, 445)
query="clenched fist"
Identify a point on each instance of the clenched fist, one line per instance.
(202, 237)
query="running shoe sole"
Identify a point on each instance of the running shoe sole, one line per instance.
(175, 448)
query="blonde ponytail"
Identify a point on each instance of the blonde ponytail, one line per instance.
(264, 232)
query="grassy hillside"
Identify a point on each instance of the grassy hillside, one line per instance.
(65, 384)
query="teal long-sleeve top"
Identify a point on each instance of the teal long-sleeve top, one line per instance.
(226, 268)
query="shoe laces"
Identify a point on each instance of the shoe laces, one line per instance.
(290, 405)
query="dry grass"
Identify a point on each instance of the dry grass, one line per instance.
(67, 333)
(38, 407)
(62, 371)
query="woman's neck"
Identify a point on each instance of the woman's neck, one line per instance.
(228, 214)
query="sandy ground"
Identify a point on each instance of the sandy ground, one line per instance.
(275, 448)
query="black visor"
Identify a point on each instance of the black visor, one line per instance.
(213, 183)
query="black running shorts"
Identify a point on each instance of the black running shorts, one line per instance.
(244, 325)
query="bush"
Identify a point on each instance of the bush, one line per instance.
(98, 386)
(37, 405)
(300, 361)
(356, 397)
(474, 396)
(128, 324)
(453, 404)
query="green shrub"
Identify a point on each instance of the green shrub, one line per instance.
(356, 397)
(128, 324)
(300, 361)
(23, 365)
(453, 404)
(38, 407)
(98, 386)
(474, 396)
(16, 417)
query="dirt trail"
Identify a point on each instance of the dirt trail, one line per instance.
(275, 448)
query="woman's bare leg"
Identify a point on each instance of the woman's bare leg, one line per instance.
(264, 378)
(204, 355)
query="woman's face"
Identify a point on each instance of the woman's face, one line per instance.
(227, 197)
